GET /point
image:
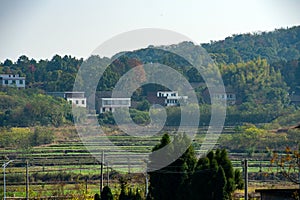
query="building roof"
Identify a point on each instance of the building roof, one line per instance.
(117, 98)
(219, 90)
(298, 126)
(73, 92)
(277, 191)
(110, 94)
(295, 98)
(12, 78)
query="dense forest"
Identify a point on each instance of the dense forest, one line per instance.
(279, 45)
(262, 68)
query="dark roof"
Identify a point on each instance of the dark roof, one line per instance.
(295, 98)
(277, 191)
(219, 90)
(108, 94)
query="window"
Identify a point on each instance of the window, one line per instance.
(125, 102)
(21, 82)
(76, 102)
(104, 102)
(82, 102)
(6, 82)
(70, 102)
(14, 82)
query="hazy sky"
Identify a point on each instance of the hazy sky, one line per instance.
(41, 29)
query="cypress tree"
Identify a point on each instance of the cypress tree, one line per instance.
(106, 194)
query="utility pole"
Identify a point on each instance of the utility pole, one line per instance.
(246, 178)
(101, 171)
(4, 180)
(146, 179)
(146, 184)
(27, 181)
(107, 174)
(86, 185)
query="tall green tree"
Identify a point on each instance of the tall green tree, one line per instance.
(214, 177)
(171, 181)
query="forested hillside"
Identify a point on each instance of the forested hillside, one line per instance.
(279, 45)
(262, 69)
(31, 107)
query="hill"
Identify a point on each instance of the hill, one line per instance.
(262, 70)
(279, 45)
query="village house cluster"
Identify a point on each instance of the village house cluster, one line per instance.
(105, 102)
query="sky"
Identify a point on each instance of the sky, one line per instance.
(41, 29)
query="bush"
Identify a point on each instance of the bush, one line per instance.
(42, 136)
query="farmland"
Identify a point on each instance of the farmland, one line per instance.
(66, 165)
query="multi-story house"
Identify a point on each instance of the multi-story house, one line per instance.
(13, 80)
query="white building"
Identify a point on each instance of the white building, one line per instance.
(228, 95)
(111, 104)
(106, 102)
(77, 99)
(12, 80)
(171, 98)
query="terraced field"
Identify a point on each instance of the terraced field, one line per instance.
(67, 164)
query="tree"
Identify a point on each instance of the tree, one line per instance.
(288, 163)
(7, 63)
(123, 182)
(171, 182)
(97, 197)
(143, 105)
(137, 195)
(106, 194)
(214, 177)
(32, 108)
(42, 136)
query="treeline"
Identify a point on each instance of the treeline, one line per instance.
(235, 115)
(279, 45)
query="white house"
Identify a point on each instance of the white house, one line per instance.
(77, 99)
(228, 95)
(106, 102)
(111, 104)
(171, 98)
(13, 80)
